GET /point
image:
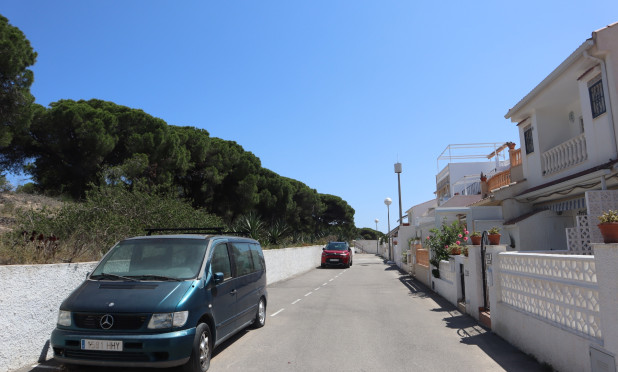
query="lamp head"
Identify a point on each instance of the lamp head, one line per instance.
(388, 201)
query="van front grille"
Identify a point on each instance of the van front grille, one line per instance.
(121, 321)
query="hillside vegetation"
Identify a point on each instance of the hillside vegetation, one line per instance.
(121, 170)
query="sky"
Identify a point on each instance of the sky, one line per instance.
(330, 93)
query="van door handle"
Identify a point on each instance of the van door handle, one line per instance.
(233, 292)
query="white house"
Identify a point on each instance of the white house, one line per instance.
(568, 135)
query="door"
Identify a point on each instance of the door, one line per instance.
(224, 294)
(248, 295)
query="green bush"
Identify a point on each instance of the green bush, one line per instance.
(85, 231)
(440, 240)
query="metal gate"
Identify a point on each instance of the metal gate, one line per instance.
(484, 243)
(463, 284)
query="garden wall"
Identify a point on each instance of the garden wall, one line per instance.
(30, 296)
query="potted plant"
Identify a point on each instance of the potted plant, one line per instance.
(608, 224)
(475, 237)
(494, 235)
(464, 250)
(510, 145)
(454, 249)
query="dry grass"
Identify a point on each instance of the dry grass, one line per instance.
(11, 203)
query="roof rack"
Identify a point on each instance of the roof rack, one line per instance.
(188, 230)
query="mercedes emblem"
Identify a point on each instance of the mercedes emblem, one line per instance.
(107, 321)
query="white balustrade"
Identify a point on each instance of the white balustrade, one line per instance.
(558, 289)
(565, 155)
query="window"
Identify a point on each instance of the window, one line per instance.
(242, 258)
(258, 257)
(221, 261)
(597, 99)
(581, 124)
(528, 140)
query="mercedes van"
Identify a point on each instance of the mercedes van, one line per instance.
(163, 301)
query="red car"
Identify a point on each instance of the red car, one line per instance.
(337, 253)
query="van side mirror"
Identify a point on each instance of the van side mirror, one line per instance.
(324, 248)
(219, 277)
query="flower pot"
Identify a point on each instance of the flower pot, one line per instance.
(494, 239)
(476, 240)
(609, 230)
(455, 251)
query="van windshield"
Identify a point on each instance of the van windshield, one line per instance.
(158, 259)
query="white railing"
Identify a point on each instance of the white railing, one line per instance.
(565, 155)
(558, 289)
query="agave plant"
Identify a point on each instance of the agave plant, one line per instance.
(277, 231)
(250, 225)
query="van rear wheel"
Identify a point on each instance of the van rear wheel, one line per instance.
(201, 352)
(260, 316)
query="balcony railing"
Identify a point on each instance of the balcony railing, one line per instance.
(515, 156)
(499, 179)
(565, 155)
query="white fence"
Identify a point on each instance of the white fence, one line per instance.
(558, 289)
(563, 309)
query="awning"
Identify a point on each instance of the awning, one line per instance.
(565, 205)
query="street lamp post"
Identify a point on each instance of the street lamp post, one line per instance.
(398, 171)
(377, 238)
(388, 202)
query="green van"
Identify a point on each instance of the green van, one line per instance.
(163, 301)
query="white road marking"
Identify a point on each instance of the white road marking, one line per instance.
(317, 289)
(295, 302)
(308, 294)
(331, 280)
(325, 284)
(277, 312)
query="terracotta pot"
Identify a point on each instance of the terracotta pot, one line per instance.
(455, 251)
(609, 230)
(494, 239)
(476, 240)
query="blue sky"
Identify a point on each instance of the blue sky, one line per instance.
(331, 93)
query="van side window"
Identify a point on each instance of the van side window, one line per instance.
(242, 258)
(257, 256)
(221, 261)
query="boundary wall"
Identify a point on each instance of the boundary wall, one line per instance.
(30, 296)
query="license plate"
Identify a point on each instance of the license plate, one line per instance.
(334, 260)
(103, 345)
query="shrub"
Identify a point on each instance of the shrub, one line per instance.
(85, 231)
(442, 238)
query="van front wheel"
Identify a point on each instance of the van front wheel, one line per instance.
(202, 350)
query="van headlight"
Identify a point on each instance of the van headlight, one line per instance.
(64, 318)
(168, 320)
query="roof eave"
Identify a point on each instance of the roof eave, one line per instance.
(550, 78)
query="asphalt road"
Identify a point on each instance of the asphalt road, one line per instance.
(369, 317)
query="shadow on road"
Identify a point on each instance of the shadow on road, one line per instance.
(470, 331)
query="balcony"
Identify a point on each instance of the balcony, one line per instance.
(499, 180)
(564, 156)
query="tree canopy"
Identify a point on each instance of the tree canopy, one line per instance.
(72, 147)
(16, 55)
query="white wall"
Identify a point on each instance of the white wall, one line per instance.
(30, 296)
(368, 246)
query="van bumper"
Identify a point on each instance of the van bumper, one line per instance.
(160, 350)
